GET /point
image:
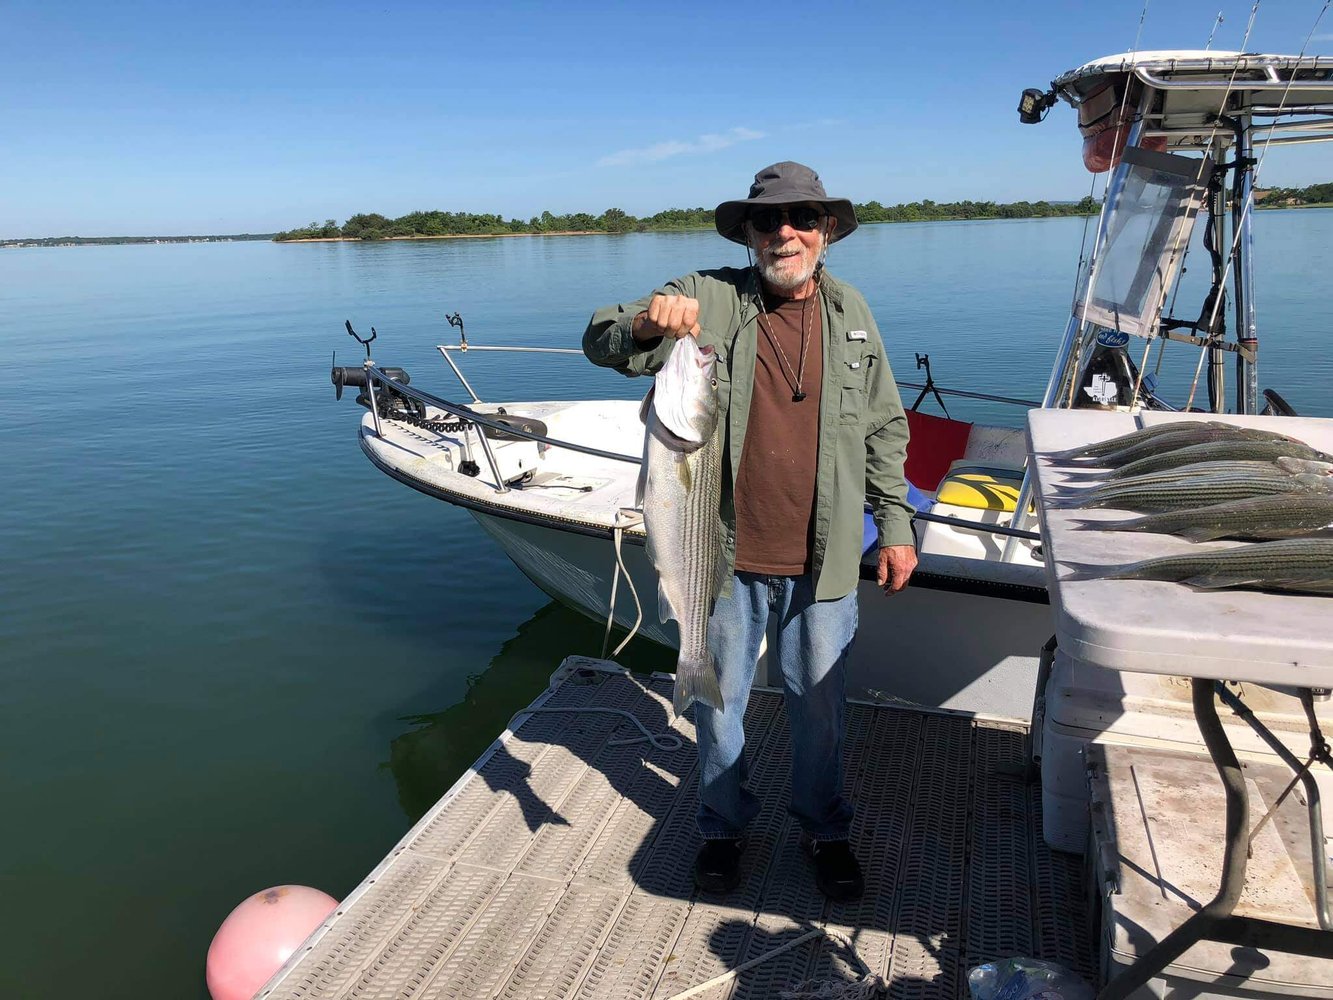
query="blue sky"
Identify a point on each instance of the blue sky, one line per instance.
(172, 118)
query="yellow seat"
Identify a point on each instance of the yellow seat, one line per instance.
(981, 488)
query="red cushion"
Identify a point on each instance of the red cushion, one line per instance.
(936, 443)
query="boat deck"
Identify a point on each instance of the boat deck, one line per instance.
(561, 866)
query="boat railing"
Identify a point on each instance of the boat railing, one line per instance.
(375, 374)
(446, 349)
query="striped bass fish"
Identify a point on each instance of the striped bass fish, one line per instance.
(1180, 435)
(1298, 565)
(1151, 495)
(679, 491)
(1283, 468)
(1134, 437)
(1230, 450)
(1255, 519)
(1100, 480)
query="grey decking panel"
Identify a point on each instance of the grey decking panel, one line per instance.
(563, 868)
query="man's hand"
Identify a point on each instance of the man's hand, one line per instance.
(667, 316)
(896, 563)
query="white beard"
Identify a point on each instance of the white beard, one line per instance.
(787, 274)
(780, 274)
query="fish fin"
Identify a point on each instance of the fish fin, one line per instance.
(721, 572)
(1219, 581)
(641, 484)
(665, 609)
(646, 406)
(1201, 533)
(696, 680)
(684, 474)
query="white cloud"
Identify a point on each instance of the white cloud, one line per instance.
(708, 143)
(1322, 38)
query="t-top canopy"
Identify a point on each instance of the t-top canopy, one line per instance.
(1196, 85)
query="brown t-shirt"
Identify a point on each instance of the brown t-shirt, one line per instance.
(775, 487)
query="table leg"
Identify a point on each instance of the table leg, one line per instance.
(1212, 915)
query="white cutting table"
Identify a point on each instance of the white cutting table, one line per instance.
(1144, 626)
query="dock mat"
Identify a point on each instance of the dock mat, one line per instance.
(561, 867)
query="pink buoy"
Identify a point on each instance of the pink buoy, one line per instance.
(260, 935)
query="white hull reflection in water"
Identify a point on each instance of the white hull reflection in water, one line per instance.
(924, 646)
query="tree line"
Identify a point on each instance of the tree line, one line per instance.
(373, 226)
(1315, 194)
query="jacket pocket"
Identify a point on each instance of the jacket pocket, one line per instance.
(854, 377)
(722, 381)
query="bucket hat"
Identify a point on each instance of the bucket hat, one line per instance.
(784, 183)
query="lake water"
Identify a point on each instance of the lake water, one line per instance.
(233, 654)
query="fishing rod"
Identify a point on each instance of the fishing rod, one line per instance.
(1254, 171)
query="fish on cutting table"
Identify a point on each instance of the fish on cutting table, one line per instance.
(1229, 450)
(1089, 482)
(680, 484)
(1297, 565)
(1154, 495)
(1125, 440)
(1283, 468)
(1254, 519)
(1187, 435)
(1150, 440)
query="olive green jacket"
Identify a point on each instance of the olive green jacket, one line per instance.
(863, 432)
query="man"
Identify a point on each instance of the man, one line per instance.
(812, 426)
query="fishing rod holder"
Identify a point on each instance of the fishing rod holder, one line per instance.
(923, 361)
(457, 320)
(363, 342)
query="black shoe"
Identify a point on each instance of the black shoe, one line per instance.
(717, 866)
(837, 872)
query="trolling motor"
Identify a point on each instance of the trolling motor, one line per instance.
(391, 403)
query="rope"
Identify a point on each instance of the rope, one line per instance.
(662, 741)
(626, 517)
(867, 986)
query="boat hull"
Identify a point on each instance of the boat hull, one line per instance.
(949, 641)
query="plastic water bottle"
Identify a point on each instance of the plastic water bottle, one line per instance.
(1026, 979)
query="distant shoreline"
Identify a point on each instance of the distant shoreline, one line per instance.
(454, 236)
(76, 241)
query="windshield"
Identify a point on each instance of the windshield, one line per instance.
(1147, 229)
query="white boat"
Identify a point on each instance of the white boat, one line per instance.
(558, 511)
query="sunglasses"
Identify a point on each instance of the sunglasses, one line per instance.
(805, 218)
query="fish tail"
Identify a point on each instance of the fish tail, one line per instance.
(1093, 571)
(696, 680)
(1078, 500)
(1088, 524)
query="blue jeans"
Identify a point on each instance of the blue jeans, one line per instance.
(813, 639)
